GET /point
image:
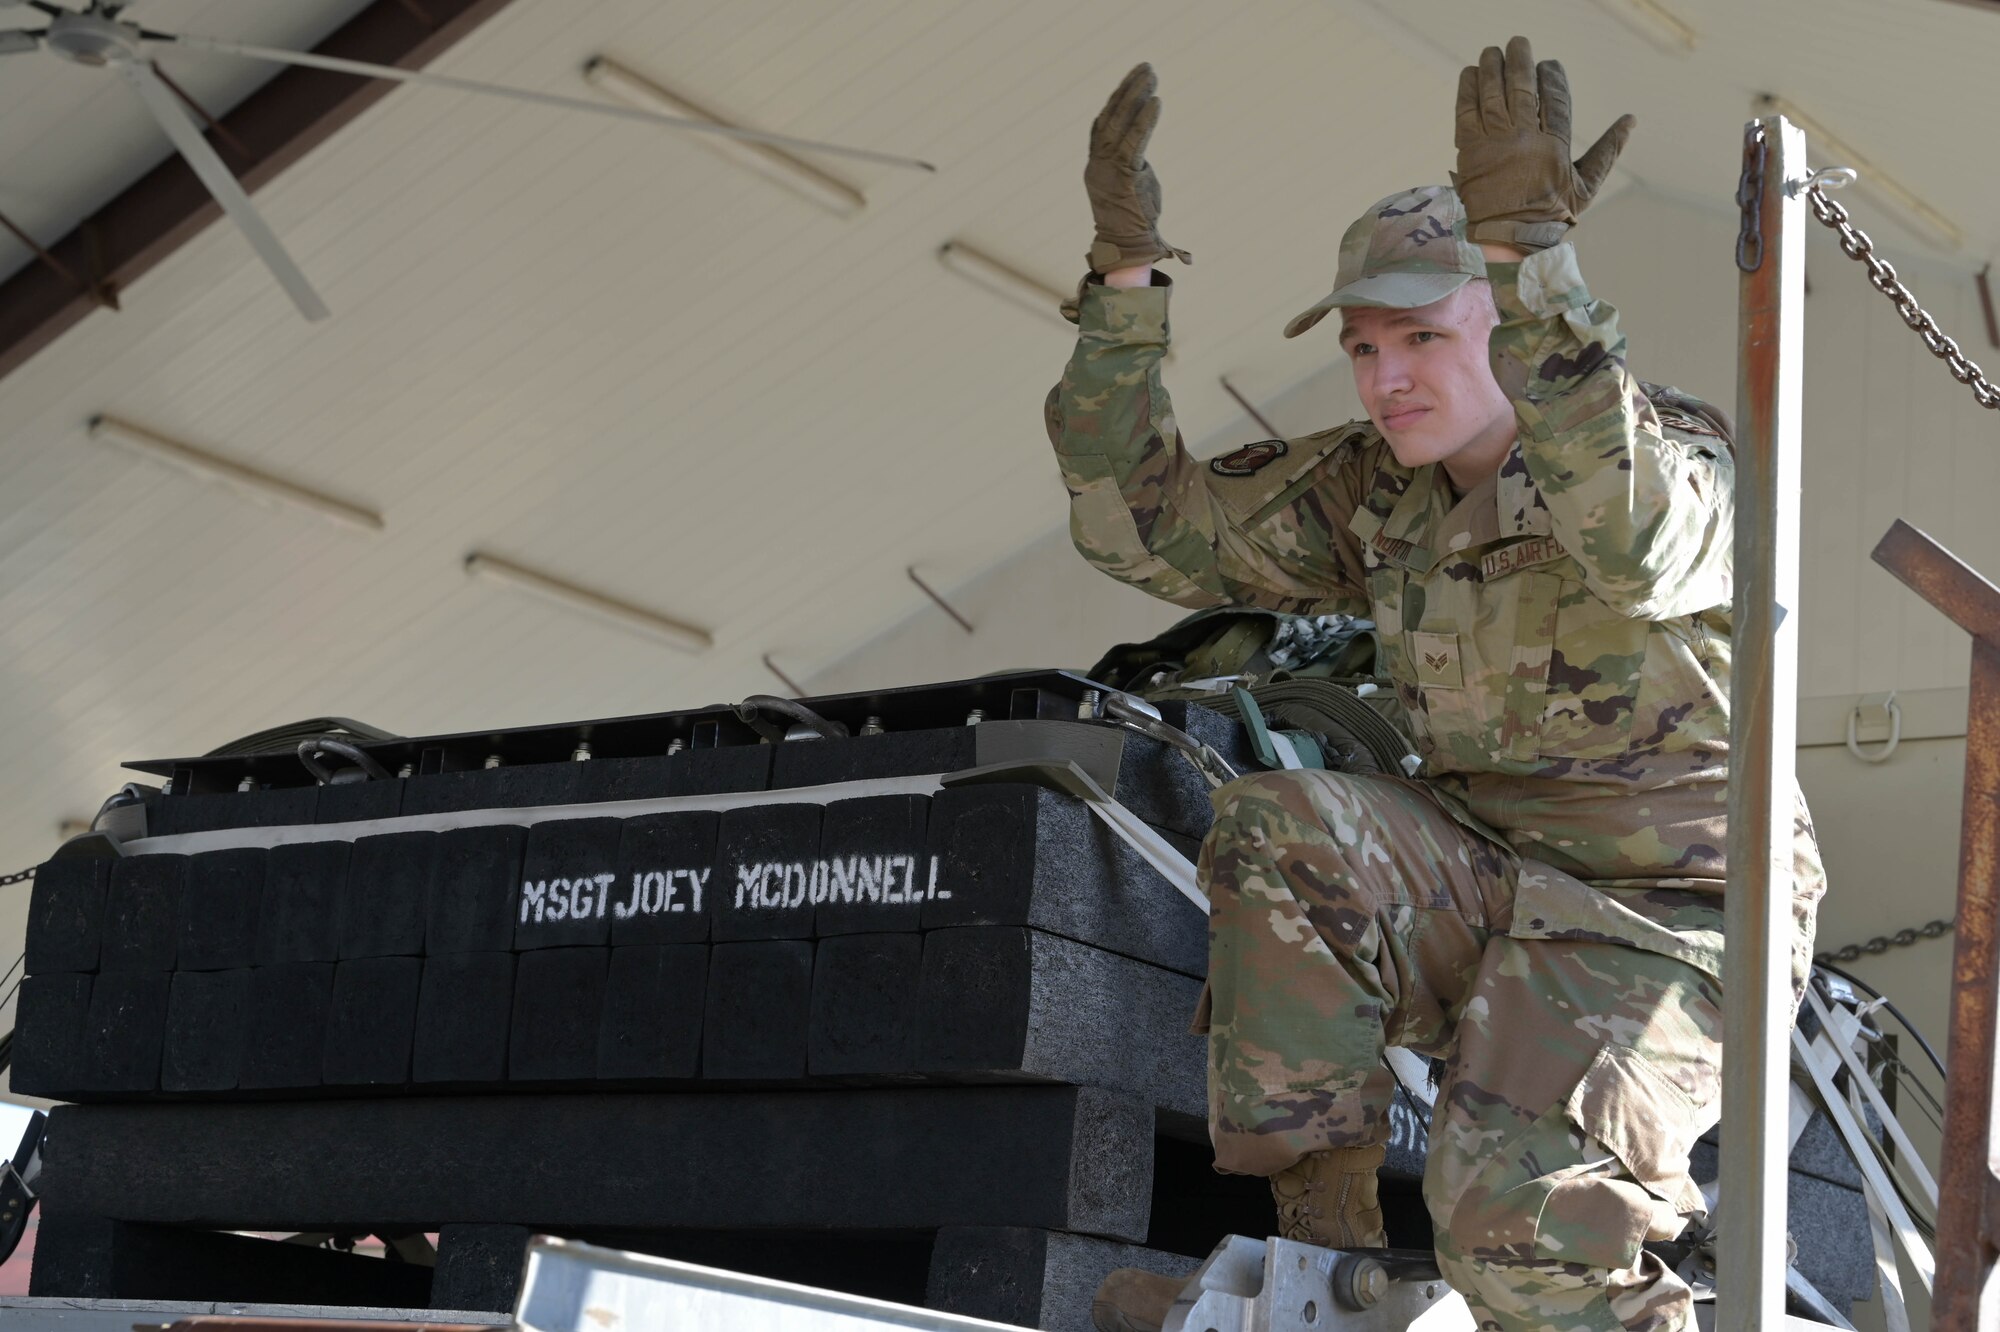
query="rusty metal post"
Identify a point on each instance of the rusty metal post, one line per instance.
(1968, 1228)
(1756, 987)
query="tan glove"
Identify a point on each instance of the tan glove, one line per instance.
(1124, 192)
(1514, 172)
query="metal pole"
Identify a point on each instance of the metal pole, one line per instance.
(1756, 989)
(1968, 1239)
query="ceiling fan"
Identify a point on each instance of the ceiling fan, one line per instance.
(98, 36)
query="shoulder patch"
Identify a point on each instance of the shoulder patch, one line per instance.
(1250, 459)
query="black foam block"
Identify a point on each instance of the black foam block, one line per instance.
(520, 787)
(911, 1158)
(220, 907)
(754, 1025)
(479, 1267)
(208, 1015)
(1005, 1000)
(726, 768)
(645, 777)
(1032, 1278)
(1021, 855)
(142, 913)
(892, 754)
(350, 802)
(472, 896)
(690, 772)
(877, 867)
(653, 1004)
(767, 872)
(83, 1257)
(286, 1043)
(863, 1015)
(389, 880)
(666, 870)
(568, 877)
(558, 1012)
(372, 1023)
(305, 885)
(463, 1015)
(235, 809)
(49, 1020)
(124, 1032)
(66, 915)
(1162, 787)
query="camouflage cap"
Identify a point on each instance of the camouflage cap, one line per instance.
(1407, 250)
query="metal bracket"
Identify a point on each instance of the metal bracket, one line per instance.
(1279, 1285)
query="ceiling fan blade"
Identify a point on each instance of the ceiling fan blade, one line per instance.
(334, 63)
(223, 185)
(16, 40)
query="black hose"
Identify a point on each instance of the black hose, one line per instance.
(1894, 1012)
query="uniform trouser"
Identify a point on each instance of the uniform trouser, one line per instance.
(1353, 912)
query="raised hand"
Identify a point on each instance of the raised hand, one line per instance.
(1514, 174)
(1124, 192)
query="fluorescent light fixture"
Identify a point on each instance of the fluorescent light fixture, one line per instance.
(1003, 280)
(609, 610)
(245, 480)
(1829, 149)
(767, 160)
(1656, 23)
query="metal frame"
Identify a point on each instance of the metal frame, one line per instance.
(1756, 989)
(1756, 998)
(1968, 1227)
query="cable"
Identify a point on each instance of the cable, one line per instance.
(1894, 1012)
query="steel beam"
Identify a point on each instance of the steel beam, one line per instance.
(163, 210)
(1763, 700)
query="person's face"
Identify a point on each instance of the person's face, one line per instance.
(1425, 381)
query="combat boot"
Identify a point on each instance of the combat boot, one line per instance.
(1132, 1299)
(1329, 1198)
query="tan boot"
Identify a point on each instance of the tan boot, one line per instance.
(1132, 1299)
(1329, 1198)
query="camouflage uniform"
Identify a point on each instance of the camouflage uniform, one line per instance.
(1543, 906)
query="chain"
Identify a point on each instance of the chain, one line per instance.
(19, 876)
(1883, 943)
(1855, 244)
(1750, 198)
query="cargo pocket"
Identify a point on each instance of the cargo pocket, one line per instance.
(1644, 1119)
(1592, 1179)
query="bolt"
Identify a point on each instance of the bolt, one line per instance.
(493, 760)
(581, 754)
(675, 747)
(1086, 707)
(407, 770)
(976, 716)
(873, 726)
(247, 784)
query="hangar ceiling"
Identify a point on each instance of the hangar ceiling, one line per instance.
(602, 351)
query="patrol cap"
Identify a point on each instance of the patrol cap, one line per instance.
(1406, 250)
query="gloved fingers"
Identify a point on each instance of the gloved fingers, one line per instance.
(1518, 68)
(1554, 83)
(1111, 122)
(1132, 147)
(1468, 107)
(1596, 163)
(1493, 91)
